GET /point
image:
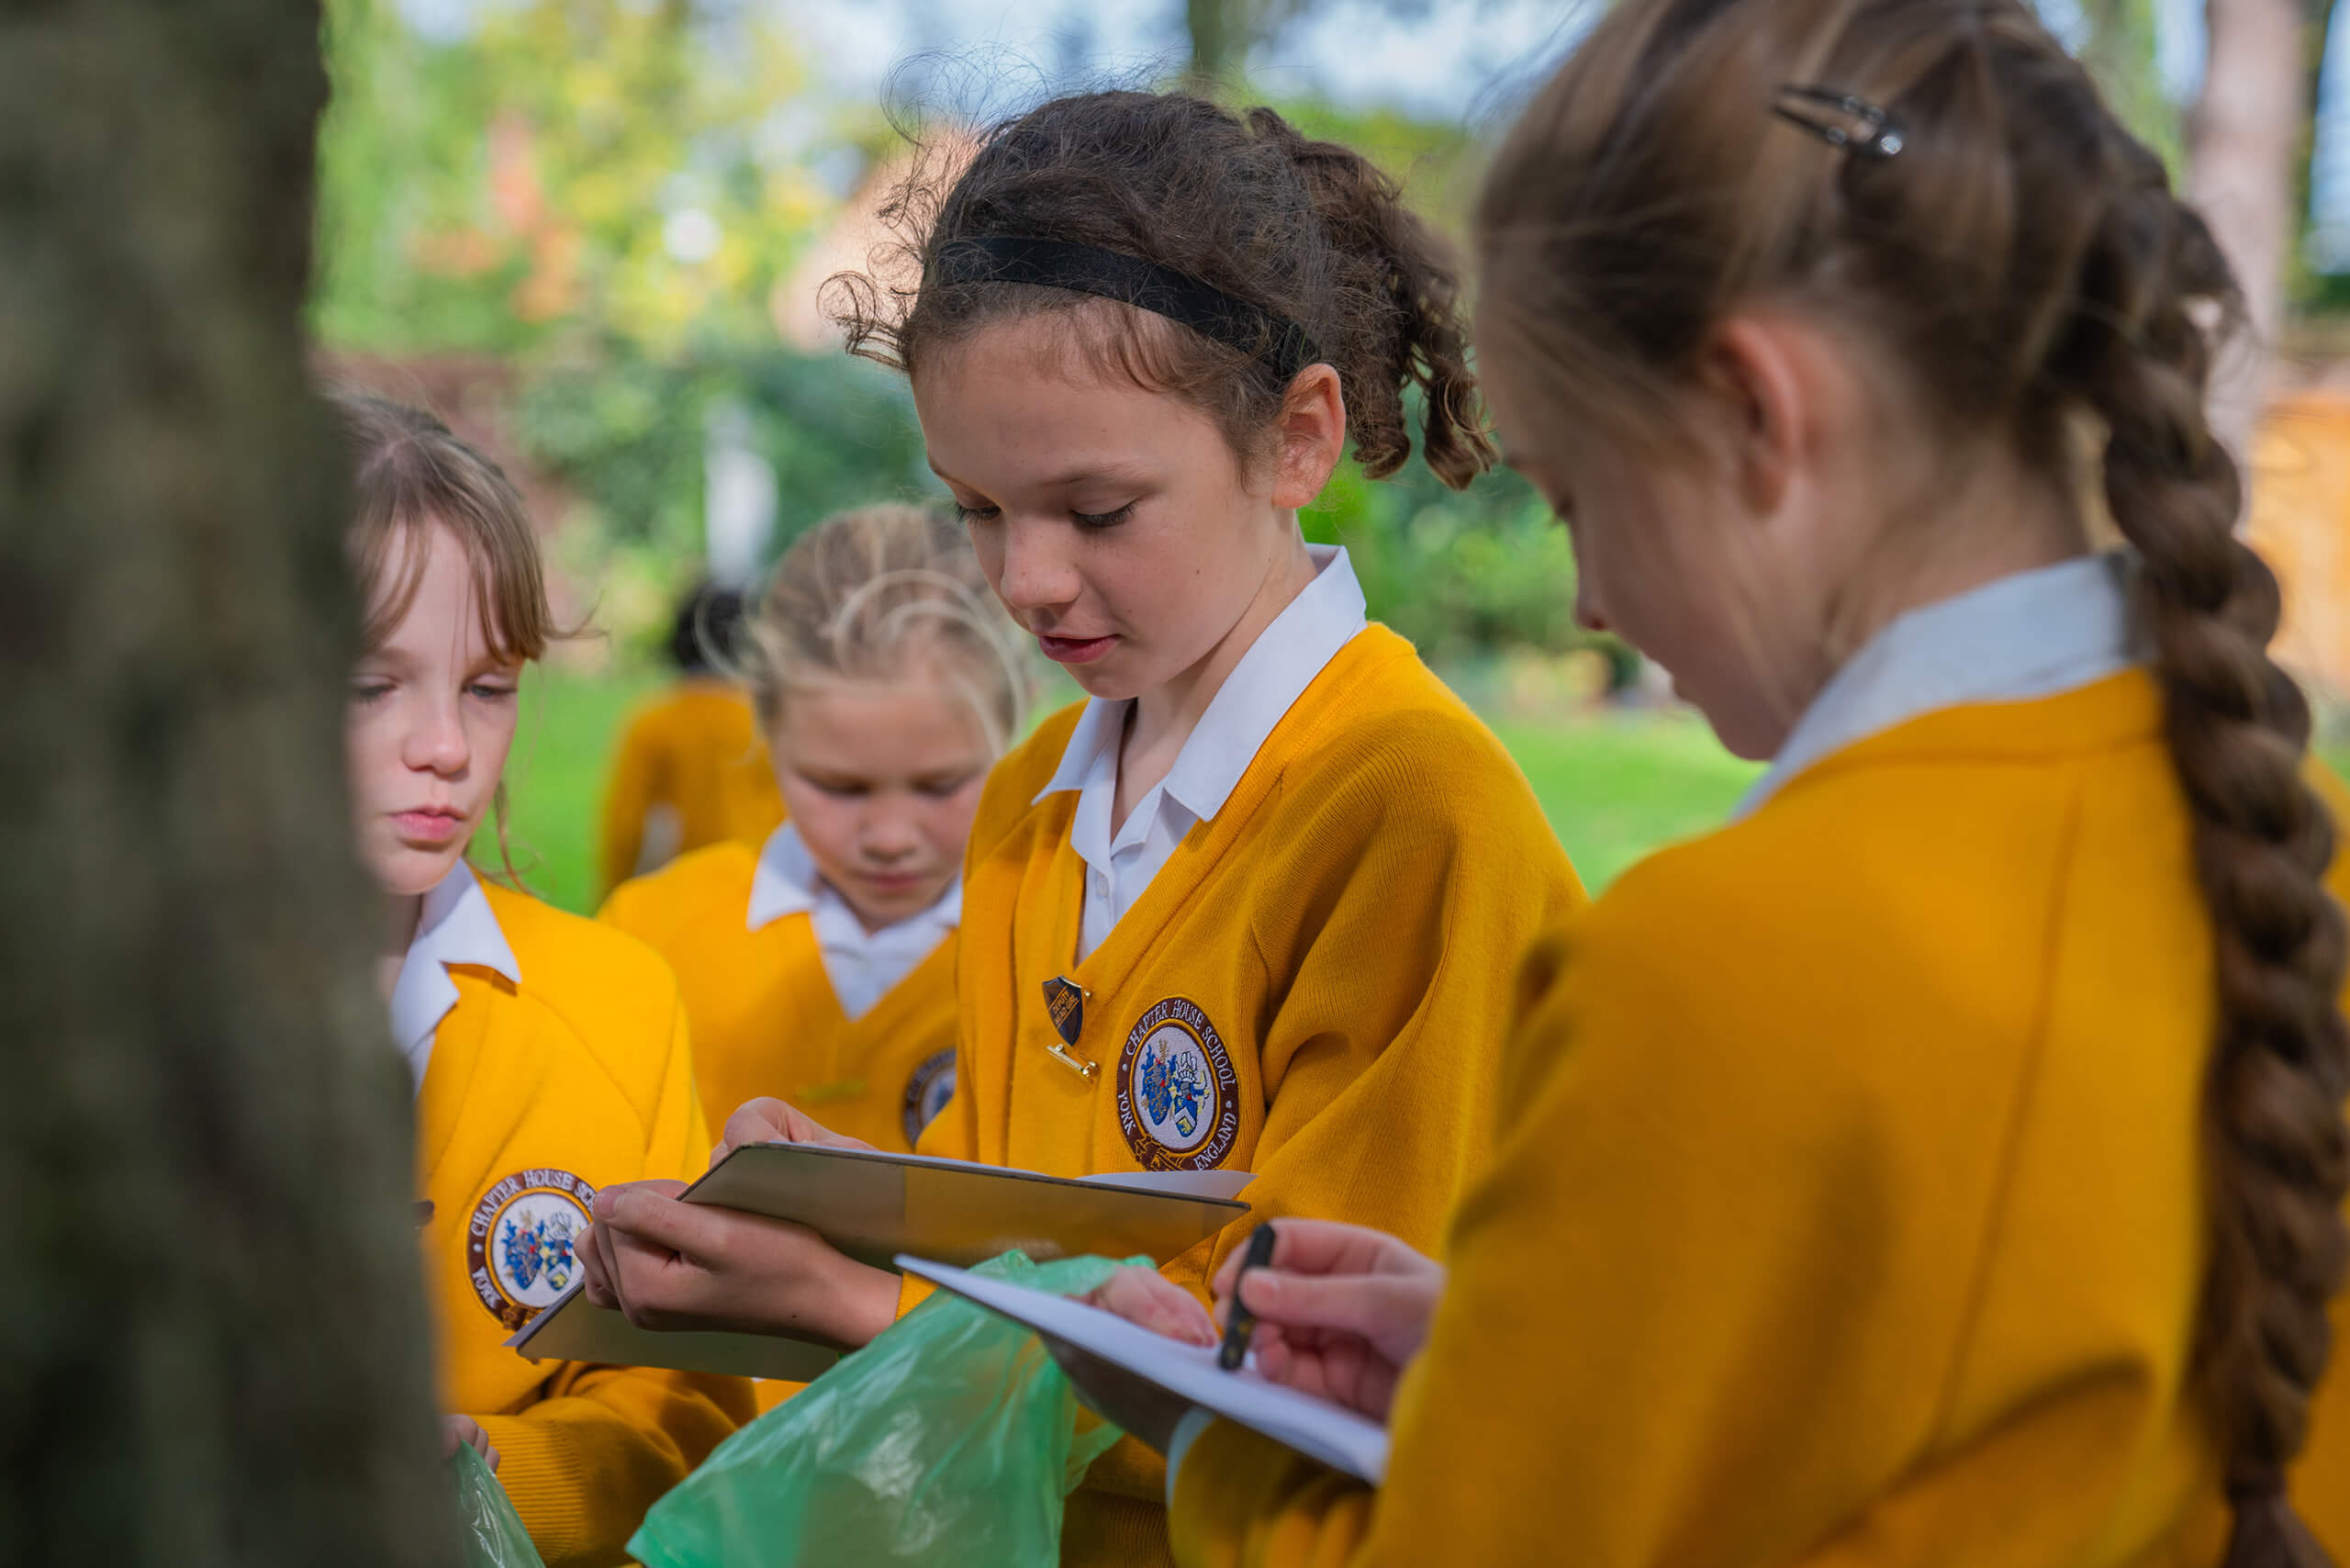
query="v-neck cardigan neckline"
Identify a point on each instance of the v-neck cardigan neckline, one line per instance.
(1102, 972)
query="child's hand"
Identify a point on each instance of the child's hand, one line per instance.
(456, 1430)
(1150, 1300)
(1340, 1310)
(769, 1120)
(672, 1265)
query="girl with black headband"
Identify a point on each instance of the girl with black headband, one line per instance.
(1257, 905)
(1943, 1162)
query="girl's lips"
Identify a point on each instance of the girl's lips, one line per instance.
(428, 827)
(1074, 650)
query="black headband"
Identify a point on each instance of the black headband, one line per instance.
(1260, 334)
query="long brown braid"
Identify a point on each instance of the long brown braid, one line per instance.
(2238, 729)
(2025, 263)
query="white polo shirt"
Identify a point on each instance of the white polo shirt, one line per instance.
(2026, 636)
(1262, 687)
(457, 927)
(862, 965)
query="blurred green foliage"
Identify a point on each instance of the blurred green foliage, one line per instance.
(643, 167)
(606, 196)
(1462, 573)
(624, 428)
(2121, 51)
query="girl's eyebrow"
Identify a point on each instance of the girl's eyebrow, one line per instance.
(1113, 473)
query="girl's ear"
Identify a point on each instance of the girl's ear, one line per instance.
(1753, 378)
(1311, 438)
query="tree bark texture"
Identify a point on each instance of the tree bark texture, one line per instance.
(212, 1346)
(2243, 147)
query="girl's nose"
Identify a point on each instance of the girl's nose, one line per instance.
(1037, 571)
(887, 835)
(437, 744)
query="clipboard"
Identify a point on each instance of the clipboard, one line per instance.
(1319, 1428)
(874, 1207)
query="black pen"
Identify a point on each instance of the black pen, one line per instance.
(1241, 1322)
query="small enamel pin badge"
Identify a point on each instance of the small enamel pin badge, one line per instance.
(1065, 1003)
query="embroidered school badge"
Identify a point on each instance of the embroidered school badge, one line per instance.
(1178, 1102)
(520, 1241)
(928, 1092)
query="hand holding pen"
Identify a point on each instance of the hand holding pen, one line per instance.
(1338, 1310)
(1239, 1323)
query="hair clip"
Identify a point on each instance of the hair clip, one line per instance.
(1873, 134)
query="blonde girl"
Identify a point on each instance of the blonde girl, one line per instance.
(820, 968)
(1254, 906)
(1943, 1162)
(549, 1053)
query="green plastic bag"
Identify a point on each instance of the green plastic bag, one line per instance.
(949, 1441)
(493, 1530)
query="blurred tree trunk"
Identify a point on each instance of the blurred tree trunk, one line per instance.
(1218, 30)
(2246, 139)
(1223, 32)
(212, 1344)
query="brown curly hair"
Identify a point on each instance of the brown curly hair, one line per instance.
(1309, 231)
(2023, 260)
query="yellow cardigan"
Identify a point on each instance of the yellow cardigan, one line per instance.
(536, 1096)
(764, 1014)
(1314, 988)
(1847, 1205)
(695, 749)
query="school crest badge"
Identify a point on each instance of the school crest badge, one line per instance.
(928, 1092)
(1179, 1101)
(519, 1243)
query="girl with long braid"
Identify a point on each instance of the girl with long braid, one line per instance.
(1943, 1162)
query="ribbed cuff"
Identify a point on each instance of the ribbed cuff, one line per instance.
(541, 1473)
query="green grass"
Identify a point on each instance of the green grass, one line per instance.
(1617, 786)
(554, 780)
(1614, 786)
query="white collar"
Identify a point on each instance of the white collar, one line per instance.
(787, 882)
(456, 925)
(1267, 682)
(2029, 635)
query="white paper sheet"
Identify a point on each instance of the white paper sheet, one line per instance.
(1315, 1428)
